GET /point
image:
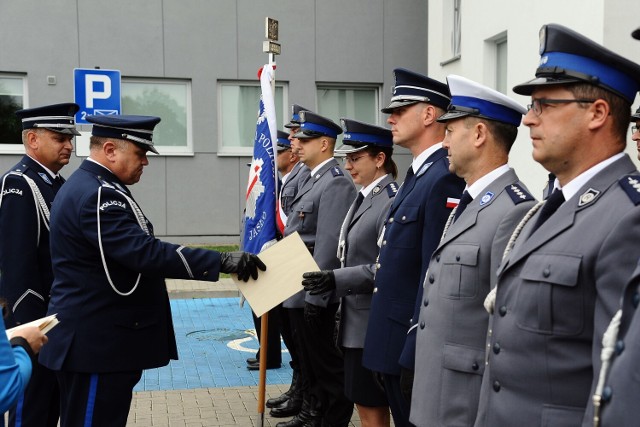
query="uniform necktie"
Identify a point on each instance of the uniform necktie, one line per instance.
(57, 182)
(408, 181)
(550, 206)
(358, 202)
(550, 185)
(462, 205)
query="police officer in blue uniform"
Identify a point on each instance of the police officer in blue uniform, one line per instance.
(412, 231)
(28, 191)
(109, 291)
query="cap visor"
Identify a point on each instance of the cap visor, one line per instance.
(291, 125)
(528, 87)
(452, 115)
(397, 104)
(66, 131)
(348, 149)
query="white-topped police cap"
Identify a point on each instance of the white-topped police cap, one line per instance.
(569, 57)
(56, 118)
(295, 116)
(283, 142)
(469, 98)
(359, 135)
(313, 125)
(411, 88)
(137, 129)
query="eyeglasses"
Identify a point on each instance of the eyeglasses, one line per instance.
(352, 160)
(635, 129)
(536, 104)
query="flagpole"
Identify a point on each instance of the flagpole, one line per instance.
(272, 48)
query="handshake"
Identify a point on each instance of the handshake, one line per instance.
(243, 264)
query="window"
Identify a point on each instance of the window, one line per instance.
(501, 65)
(238, 114)
(358, 103)
(12, 99)
(168, 99)
(451, 31)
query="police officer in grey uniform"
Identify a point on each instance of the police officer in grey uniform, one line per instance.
(317, 213)
(562, 279)
(290, 402)
(368, 151)
(26, 197)
(615, 397)
(482, 125)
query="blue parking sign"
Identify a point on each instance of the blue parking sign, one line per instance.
(96, 92)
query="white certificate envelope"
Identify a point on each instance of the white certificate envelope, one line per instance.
(285, 261)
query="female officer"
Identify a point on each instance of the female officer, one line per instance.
(368, 161)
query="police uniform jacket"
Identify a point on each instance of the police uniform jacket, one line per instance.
(359, 250)
(101, 330)
(317, 213)
(412, 231)
(452, 324)
(25, 262)
(553, 288)
(622, 387)
(289, 189)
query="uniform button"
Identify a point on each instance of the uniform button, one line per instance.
(135, 324)
(607, 392)
(619, 347)
(205, 274)
(422, 325)
(390, 220)
(384, 242)
(404, 217)
(375, 290)
(475, 366)
(496, 386)
(438, 258)
(546, 272)
(426, 302)
(502, 310)
(458, 257)
(496, 348)
(431, 278)
(636, 300)
(349, 291)
(378, 266)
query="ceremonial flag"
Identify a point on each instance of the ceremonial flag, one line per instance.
(260, 212)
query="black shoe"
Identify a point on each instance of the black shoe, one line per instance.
(288, 408)
(293, 422)
(256, 366)
(278, 401)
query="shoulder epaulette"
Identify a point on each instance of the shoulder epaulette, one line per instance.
(392, 189)
(336, 171)
(518, 193)
(631, 185)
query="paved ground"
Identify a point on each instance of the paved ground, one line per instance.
(209, 385)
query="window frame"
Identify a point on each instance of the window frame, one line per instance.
(377, 88)
(228, 151)
(17, 148)
(168, 150)
(452, 31)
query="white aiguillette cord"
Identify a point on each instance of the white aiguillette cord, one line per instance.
(143, 224)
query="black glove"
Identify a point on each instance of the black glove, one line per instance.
(312, 314)
(406, 383)
(244, 264)
(319, 282)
